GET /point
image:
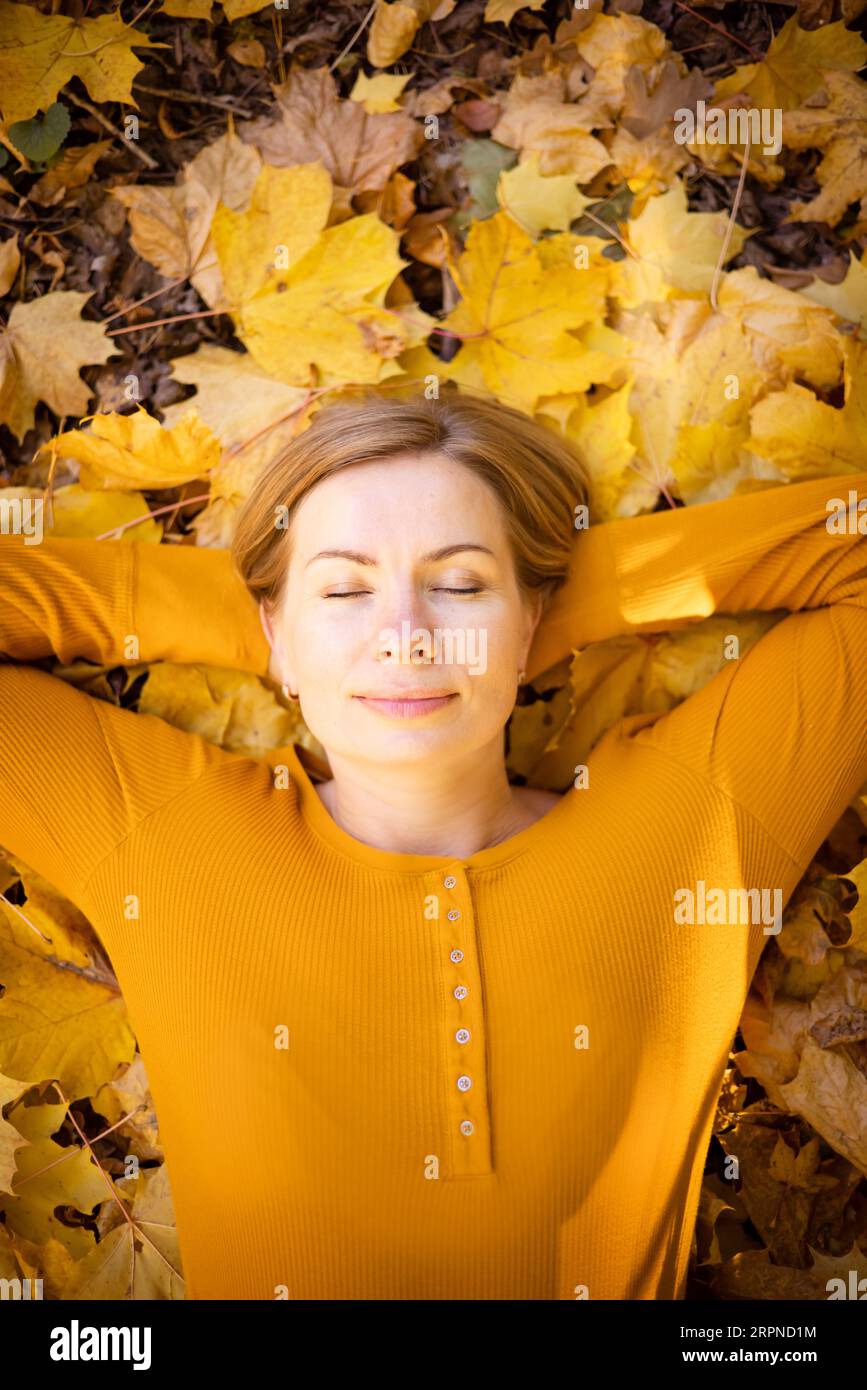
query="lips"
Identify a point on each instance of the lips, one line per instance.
(407, 706)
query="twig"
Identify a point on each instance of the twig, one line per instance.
(145, 516)
(280, 420)
(71, 1153)
(118, 313)
(612, 232)
(158, 323)
(277, 26)
(362, 26)
(107, 125)
(222, 103)
(720, 30)
(31, 925)
(730, 228)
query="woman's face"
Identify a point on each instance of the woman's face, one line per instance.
(427, 572)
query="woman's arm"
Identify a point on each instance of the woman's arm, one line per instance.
(77, 775)
(783, 729)
(659, 572)
(84, 598)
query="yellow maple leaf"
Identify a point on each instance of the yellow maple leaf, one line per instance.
(285, 216)
(539, 203)
(10, 1139)
(504, 11)
(649, 166)
(57, 1023)
(253, 416)
(806, 438)
(135, 451)
(42, 347)
(676, 249)
(230, 708)
(537, 118)
(170, 226)
(839, 130)
(56, 1175)
(848, 299)
(789, 335)
(309, 300)
(379, 93)
(77, 512)
(680, 394)
(516, 314)
(601, 432)
(794, 65)
(40, 53)
(695, 374)
(614, 44)
(137, 1258)
(202, 9)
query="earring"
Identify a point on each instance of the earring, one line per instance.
(290, 695)
(522, 676)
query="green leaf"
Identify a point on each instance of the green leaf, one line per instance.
(482, 162)
(40, 139)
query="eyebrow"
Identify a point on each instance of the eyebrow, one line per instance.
(442, 554)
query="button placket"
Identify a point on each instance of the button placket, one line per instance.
(467, 1099)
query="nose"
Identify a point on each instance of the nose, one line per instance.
(406, 637)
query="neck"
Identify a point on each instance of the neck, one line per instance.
(452, 807)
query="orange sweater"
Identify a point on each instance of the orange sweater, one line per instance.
(436, 1127)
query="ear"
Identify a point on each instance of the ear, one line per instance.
(276, 669)
(534, 614)
(265, 620)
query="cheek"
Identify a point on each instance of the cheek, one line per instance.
(325, 641)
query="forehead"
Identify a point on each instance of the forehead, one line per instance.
(401, 498)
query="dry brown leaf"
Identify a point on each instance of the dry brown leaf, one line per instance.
(359, 151)
(42, 348)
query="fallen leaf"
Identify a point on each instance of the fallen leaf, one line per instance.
(359, 151)
(538, 203)
(170, 227)
(40, 53)
(515, 315)
(43, 346)
(795, 64)
(134, 451)
(379, 93)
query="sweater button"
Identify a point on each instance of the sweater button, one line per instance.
(467, 1126)
(464, 1083)
(450, 881)
(463, 1035)
(461, 991)
(453, 914)
(456, 955)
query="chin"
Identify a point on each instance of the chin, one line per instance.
(407, 742)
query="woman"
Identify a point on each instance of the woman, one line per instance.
(413, 1032)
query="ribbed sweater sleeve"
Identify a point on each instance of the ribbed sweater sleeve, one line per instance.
(782, 730)
(77, 774)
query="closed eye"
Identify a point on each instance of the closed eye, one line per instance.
(356, 593)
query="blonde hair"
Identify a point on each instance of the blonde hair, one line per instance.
(536, 475)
